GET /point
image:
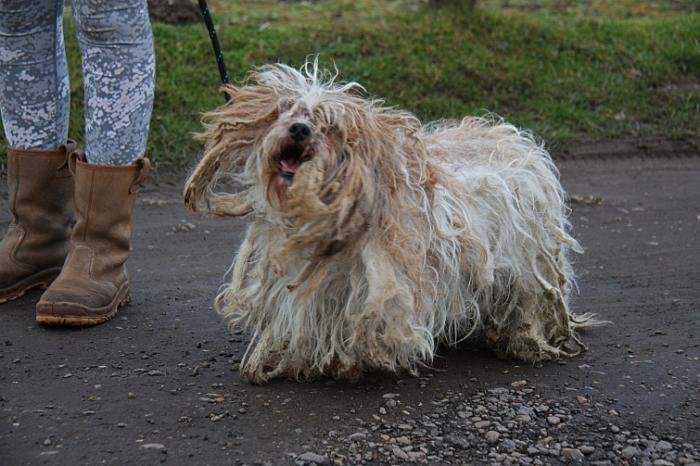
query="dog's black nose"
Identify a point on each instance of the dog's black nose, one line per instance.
(299, 132)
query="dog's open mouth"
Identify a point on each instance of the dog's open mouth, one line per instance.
(290, 159)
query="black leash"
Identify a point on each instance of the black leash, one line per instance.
(204, 8)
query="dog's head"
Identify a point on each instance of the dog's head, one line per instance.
(310, 154)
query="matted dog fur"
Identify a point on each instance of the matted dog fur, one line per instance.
(373, 238)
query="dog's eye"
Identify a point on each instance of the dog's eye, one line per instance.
(285, 105)
(328, 128)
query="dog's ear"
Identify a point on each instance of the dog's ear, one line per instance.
(229, 135)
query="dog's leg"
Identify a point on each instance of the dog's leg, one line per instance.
(532, 333)
(263, 360)
(387, 329)
(538, 326)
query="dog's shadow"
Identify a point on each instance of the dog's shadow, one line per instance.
(468, 361)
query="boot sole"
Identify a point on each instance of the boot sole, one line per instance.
(68, 314)
(39, 280)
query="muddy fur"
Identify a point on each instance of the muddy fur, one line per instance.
(392, 237)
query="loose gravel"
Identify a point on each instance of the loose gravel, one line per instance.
(500, 426)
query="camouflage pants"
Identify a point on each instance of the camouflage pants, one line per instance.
(116, 46)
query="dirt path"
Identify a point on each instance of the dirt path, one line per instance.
(158, 382)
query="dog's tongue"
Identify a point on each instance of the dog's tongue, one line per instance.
(289, 165)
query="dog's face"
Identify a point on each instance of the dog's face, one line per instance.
(303, 145)
(314, 156)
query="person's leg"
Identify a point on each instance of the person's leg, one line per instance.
(116, 45)
(34, 89)
(119, 71)
(34, 102)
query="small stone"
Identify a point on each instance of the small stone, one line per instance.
(524, 411)
(663, 445)
(661, 462)
(572, 454)
(629, 452)
(553, 420)
(482, 424)
(492, 436)
(382, 410)
(399, 453)
(357, 436)
(153, 446)
(311, 457)
(508, 445)
(390, 396)
(518, 383)
(587, 449)
(614, 429)
(121, 425)
(217, 417)
(457, 441)
(155, 373)
(545, 441)
(47, 442)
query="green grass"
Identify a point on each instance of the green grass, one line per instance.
(571, 74)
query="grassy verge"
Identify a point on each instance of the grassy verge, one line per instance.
(570, 74)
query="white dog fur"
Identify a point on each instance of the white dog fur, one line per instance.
(385, 237)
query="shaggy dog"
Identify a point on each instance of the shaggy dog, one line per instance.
(373, 238)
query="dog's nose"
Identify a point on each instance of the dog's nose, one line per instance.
(299, 132)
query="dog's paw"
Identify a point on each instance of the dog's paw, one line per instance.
(263, 370)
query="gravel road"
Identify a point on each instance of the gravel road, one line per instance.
(159, 383)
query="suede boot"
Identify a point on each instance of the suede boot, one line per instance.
(94, 282)
(41, 202)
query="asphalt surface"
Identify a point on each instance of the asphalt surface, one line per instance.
(159, 382)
